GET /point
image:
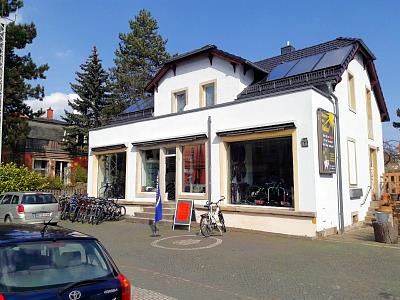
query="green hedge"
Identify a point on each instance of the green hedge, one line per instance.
(20, 179)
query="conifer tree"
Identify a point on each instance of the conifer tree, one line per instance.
(140, 54)
(91, 107)
(19, 72)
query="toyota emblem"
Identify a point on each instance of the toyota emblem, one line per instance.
(74, 295)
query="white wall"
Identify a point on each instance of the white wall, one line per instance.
(191, 73)
(316, 193)
(354, 126)
(292, 107)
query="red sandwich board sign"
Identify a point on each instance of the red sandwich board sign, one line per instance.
(183, 213)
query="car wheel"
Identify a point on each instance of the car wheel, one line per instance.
(7, 219)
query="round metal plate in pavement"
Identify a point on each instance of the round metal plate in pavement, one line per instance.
(186, 242)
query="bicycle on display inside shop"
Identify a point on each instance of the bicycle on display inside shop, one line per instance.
(213, 220)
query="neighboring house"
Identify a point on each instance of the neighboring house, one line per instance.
(264, 135)
(43, 151)
(392, 172)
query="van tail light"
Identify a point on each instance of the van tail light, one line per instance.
(20, 210)
(2, 297)
(125, 287)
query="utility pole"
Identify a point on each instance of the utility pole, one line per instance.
(3, 24)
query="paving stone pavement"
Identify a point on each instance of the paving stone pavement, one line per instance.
(249, 265)
(143, 294)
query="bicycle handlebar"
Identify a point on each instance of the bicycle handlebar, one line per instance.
(210, 203)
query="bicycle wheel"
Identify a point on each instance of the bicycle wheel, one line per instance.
(99, 217)
(222, 221)
(205, 226)
(72, 213)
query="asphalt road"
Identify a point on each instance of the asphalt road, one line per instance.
(248, 265)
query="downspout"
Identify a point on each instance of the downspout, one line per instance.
(338, 158)
(209, 157)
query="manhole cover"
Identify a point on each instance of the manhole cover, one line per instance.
(186, 242)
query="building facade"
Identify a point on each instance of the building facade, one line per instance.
(293, 142)
(43, 150)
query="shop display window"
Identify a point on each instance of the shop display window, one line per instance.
(261, 172)
(111, 176)
(150, 169)
(194, 169)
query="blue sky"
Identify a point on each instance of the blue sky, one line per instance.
(68, 29)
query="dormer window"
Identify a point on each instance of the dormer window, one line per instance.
(179, 100)
(208, 93)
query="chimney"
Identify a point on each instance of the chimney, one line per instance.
(50, 113)
(287, 49)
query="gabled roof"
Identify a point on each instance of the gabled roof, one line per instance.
(269, 63)
(315, 75)
(208, 51)
(44, 129)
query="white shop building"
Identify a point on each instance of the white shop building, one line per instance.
(294, 142)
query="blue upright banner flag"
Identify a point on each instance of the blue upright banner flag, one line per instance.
(158, 211)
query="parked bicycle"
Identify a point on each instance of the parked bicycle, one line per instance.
(81, 208)
(213, 219)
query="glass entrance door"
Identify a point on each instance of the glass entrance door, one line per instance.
(170, 172)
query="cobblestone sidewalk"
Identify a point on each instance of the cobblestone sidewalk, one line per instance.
(143, 294)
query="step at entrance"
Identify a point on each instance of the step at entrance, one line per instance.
(146, 215)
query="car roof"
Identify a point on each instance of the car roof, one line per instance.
(17, 233)
(26, 193)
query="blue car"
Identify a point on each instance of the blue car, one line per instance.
(50, 262)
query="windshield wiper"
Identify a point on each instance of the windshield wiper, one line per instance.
(79, 283)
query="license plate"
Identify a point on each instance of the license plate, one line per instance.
(41, 215)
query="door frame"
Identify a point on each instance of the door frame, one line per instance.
(372, 157)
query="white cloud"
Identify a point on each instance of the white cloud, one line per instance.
(63, 53)
(57, 101)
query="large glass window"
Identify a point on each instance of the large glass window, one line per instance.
(150, 169)
(261, 172)
(111, 177)
(194, 169)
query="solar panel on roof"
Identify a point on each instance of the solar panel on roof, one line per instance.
(333, 58)
(281, 70)
(305, 65)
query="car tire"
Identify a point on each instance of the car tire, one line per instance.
(7, 219)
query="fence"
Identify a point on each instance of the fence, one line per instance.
(392, 183)
(71, 190)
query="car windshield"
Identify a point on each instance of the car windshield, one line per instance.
(43, 265)
(38, 199)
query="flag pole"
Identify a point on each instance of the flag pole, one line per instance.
(157, 208)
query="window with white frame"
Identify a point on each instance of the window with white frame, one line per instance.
(194, 168)
(369, 113)
(41, 166)
(208, 94)
(352, 93)
(180, 99)
(352, 162)
(150, 170)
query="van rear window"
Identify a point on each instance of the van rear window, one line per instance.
(38, 199)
